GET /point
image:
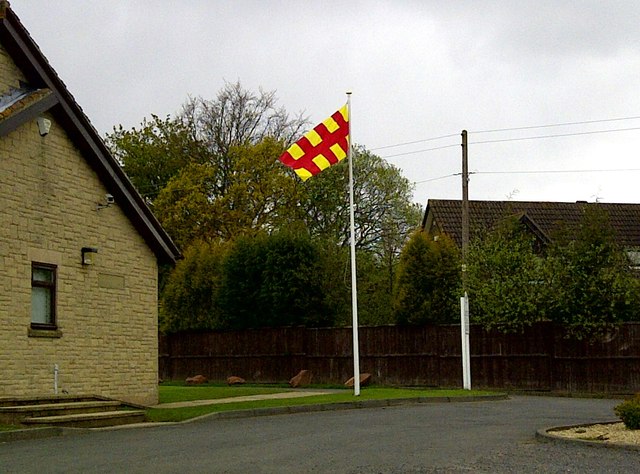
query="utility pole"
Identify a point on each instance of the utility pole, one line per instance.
(465, 208)
(464, 301)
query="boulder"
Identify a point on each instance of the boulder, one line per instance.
(233, 380)
(365, 379)
(196, 380)
(303, 378)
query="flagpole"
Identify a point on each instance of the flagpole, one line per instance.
(354, 290)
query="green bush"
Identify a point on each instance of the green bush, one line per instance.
(428, 281)
(273, 281)
(505, 278)
(189, 298)
(591, 286)
(629, 412)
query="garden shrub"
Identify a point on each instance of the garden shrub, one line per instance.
(505, 278)
(629, 412)
(428, 281)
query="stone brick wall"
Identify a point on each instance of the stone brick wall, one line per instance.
(9, 73)
(106, 312)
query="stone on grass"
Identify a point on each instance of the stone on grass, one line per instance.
(303, 378)
(365, 379)
(233, 380)
(196, 380)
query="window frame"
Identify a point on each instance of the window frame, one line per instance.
(52, 287)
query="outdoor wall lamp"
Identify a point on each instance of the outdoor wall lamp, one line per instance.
(44, 125)
(88, 255)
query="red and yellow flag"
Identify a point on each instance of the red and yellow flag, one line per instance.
(324, 146)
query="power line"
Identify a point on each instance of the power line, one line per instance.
(557, 171)
(529, 127)
(538, 137)
(438, 178)
(556, 125)
(501, 140)
(421, 151)
(414, 142)
(617, 170)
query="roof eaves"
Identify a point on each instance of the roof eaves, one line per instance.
(40, 74)
(535, 228)
(25, 107)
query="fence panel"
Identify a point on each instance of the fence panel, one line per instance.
(541, 358)
(609, 364)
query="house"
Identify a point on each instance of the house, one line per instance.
(79, 248)
(542, 219)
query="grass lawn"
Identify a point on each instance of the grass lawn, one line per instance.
(8, 427)
(175, 393)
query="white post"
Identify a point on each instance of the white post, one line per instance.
(55, 379)
(354, 290)
(464, 334)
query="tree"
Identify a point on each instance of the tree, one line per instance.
(220, 158)
(274, 281)
(428, 286)
(237, 117)
(190, 297)
(215, 133)
(506, 283)
(259, 196)
(155, 153)
(384, 213)
(590, 279)
(213, 175)
(183, 206)
(375, 294)
(293, 281)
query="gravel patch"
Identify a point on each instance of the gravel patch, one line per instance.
(605, 432)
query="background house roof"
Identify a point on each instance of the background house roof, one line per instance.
(40, 75)
(445, 216)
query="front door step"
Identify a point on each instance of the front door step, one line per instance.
(79, 411)
(14, 414)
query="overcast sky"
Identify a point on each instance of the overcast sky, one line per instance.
(418, 70)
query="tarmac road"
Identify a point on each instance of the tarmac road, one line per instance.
(473, 437)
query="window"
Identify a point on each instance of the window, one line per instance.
(43, 296)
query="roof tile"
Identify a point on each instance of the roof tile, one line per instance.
(447, 216)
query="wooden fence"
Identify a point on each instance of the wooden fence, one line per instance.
(540, 359)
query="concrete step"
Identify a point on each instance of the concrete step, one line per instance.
(47, 400)
(15, 414)
(82, 411)
(88, 420)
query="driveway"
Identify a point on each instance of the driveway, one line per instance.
(483, 437)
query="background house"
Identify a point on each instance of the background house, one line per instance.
(444, 216)
(79, 249)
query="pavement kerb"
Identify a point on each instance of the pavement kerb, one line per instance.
(37, 433)
(546, 434)
(382, 403)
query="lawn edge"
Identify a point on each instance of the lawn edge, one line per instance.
(356, 404)
(37, 433)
